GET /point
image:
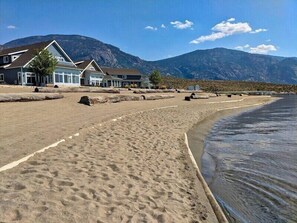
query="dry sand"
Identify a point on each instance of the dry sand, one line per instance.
(133, 169)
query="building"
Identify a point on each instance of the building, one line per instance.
(15, 62)
(126, 77)
(14, 66)
(91, 73)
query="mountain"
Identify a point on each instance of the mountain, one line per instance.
(212, 64)
(226, 64)
(85, 48)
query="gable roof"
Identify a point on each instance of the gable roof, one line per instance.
(85, 63)
(120, 71)
(29, 52)
(40, 45)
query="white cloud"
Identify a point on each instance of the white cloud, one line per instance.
(211, 37)
(179, 25)
(227, 28)
(11, 27)
(163, 26)
(259, 30)
(242, 47)
(262, 49)
(223, 29)
(151, 28)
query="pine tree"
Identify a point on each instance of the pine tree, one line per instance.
(43, 64)
(155, 77)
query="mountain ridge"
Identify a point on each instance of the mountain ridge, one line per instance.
(209, 64)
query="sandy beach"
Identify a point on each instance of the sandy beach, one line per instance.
(124, 162)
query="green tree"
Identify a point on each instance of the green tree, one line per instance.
(43, 64)
(155, 77)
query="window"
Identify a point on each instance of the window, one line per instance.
(5, 59)
(58, 77)
(75, 79)
(91, 68)
(13, 58)
(1, 78)
(60, 58)
(31, 78)
(67, 78)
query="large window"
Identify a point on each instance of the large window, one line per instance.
(58, 77)
(67, 78)
(75, 79)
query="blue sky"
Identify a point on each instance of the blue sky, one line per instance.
(157, 29)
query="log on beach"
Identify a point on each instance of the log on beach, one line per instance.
(188, 91)
(77, 89)
(157, 97)
(199, 96)
(23, 97)
(87, 100)
(131, 98)
(149, 91)
(93, 100)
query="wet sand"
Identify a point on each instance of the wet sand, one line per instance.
(130, 169)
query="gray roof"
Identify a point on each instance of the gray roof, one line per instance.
(120, 71)
(26, 56)
(109, 77)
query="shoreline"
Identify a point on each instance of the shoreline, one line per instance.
(195, 139)
(197, 133)
(139, 170)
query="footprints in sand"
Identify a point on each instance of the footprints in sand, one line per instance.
(114, 167)
(126, 172)
(19, 186)
(65, 183)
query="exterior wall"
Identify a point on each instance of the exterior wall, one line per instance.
(58, 54)
(93, 79)
(66, 77)
(112, 83)
(10, 75)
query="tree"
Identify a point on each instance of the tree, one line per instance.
(43, 64)
(155, 77)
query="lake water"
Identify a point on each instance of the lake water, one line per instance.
(250, 163)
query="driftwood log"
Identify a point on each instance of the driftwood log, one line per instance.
(188, 91)
(149, 91)
(77, 89)
(157, 97)
(87, 100)
(199, 96)
(23, 97)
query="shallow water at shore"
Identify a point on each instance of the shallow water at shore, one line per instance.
(250, 163)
